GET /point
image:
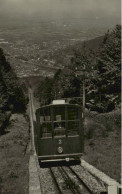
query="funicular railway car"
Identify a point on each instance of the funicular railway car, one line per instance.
(59, 131)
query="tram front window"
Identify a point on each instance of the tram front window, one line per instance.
(59, 113)
(73, 128)
(59, 129)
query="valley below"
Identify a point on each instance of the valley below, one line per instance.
(39, 47)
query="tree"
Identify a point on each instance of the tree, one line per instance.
(45, 90)
(12, 92)
(102, 72)
(109, 68)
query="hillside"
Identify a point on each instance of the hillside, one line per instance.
(103, 142)
(14, 131)
(98, 62)
(12, 97)
(62, 56)
(14, 156)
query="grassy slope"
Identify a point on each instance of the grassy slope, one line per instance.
(14, 157)
(103, 142)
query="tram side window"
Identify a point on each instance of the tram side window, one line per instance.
(45, 121)
(46, 130)
(41, 119)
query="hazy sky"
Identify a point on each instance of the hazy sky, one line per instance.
(71, 8)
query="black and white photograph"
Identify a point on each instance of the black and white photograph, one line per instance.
(60, 97)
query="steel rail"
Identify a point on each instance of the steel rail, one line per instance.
(66, 179)
(91, 192)
(70, 182)
(56, 182)
(74, 187)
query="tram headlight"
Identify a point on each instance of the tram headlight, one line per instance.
(60, 150)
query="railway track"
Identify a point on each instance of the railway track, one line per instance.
(63, 180)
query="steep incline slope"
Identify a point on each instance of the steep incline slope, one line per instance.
(11, 93)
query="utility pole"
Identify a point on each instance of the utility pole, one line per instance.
(84, 74)
(84, 98)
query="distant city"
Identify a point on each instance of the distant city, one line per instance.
(32, 48)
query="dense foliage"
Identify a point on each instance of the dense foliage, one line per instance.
(12, 96)
(105, 85)
(100, 71)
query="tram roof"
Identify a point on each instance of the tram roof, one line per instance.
(63, 104)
